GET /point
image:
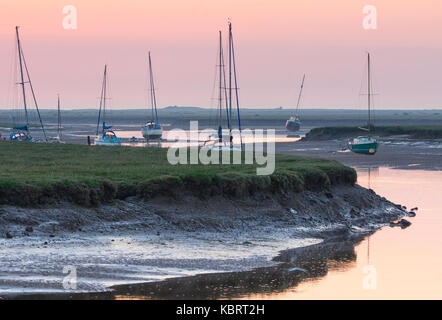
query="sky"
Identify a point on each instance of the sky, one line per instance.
(276, 42)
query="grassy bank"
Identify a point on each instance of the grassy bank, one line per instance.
(413, 132)
(32, 173)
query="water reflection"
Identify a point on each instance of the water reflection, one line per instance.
(365, 175)
(297, 265)
(316, 260)
(135, 139)
(407, 263)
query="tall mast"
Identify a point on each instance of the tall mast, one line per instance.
(152, 92)
(299, 96)
(22, 78)
(230, 77)
(369, 92)
(104, 93)
(236, 91)
(220, 80)
(226, 99)
(59, 115)
(23, 63)
(102, 99)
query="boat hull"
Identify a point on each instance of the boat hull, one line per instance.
(364, 148)
(106, 142)
(220, 147)
(20, 136)
(56, 139)
(293, 125)
(152, 134)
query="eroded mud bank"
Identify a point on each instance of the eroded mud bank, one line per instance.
(337, 208)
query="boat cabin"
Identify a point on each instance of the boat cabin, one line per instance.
(152, 125)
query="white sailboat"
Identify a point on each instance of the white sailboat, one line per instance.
(152, 129)
(58, 138)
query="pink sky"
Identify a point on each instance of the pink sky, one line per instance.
(276, 42)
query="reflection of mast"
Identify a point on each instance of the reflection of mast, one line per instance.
(368, 241)
(369, 178)
(369, 93)
(368, 238)
(368, 250)
(59, 116)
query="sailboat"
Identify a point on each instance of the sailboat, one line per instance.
(365, 144)
(294, 123)
(107, 137)
(22, 133)
(218, 140)
(152, 129)
(58, 138)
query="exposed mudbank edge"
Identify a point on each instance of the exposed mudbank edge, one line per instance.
(341, 216)
(341, 132)
(343, 206)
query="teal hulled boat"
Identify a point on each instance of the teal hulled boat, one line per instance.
(107, 137)
(365, 145)
(21, 134)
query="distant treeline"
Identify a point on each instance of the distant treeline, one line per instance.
(413, 132)
(196, 113)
